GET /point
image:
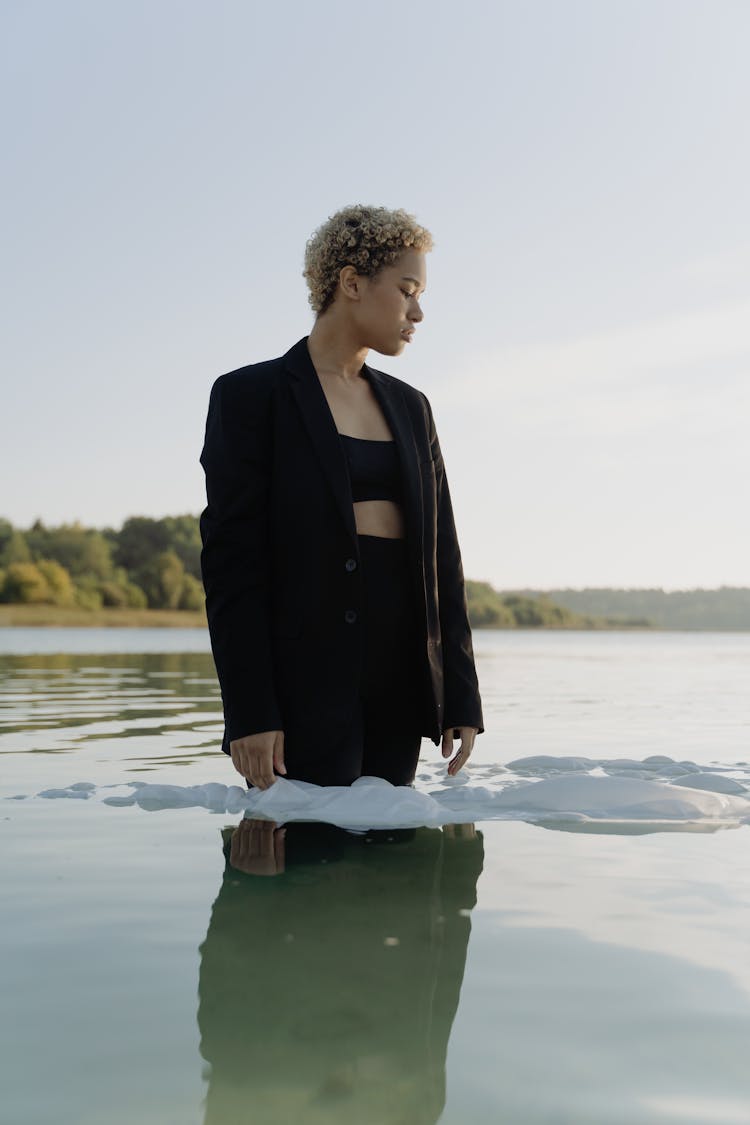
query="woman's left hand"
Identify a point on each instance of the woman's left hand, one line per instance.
(467, 736)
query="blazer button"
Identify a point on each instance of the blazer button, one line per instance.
(350, 564)
(350, 616)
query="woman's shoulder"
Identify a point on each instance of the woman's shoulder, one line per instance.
(248, 381)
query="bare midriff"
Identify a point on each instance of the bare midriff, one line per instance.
(379, 517)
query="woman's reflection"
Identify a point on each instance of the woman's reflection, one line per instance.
(328, 993)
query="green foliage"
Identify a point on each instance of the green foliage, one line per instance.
(136, 597)
(113, 594)
(25, 583)
(185, 540)
(486, 608)
(6, 531)
(59, 581)
(15, 549)
(148, 563)
(489, 608)
(162, 580)
(120, 591)
(138, 542)
(83, 552)
(192, 596)
(142, 538)
(88, 593)
(525, 611)
(727, 607)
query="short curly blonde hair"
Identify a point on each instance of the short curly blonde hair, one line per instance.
(368, 238)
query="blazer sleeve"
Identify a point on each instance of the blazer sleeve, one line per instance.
(235, 556)
(463, 704)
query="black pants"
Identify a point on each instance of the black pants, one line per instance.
(383, 739)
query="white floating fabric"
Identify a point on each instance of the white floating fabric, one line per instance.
(539, 789)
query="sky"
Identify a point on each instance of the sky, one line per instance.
(582, 166)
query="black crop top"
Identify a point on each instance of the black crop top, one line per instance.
(374, 468)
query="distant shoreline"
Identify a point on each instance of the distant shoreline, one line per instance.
(50, 616)
(148, 574)
(45, 616)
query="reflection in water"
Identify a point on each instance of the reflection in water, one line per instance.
(52, 703)
(327, 992)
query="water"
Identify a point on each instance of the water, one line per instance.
(187, 965)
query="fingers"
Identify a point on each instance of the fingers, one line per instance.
(460, 831)
(258, 848)
(467, 735)
(461, 757)
(254, 757)
(280, 842)
(278, 752)
(261, 768)
(448, 741)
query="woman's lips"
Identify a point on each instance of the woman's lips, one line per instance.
(407, 333)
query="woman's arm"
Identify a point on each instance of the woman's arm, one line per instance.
(235, 559)
(463, 705)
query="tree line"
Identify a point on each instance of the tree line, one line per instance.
(723, 608)
(147, 563)
(155, 564)
(496, 609)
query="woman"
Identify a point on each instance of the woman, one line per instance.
(334, 584)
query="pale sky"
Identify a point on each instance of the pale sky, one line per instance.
(582, 165)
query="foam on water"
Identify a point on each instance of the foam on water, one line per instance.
(541, 789)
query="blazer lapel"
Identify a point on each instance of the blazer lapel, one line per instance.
(393, 404)
(318, 419)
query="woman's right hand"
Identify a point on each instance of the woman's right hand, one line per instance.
(256, 755)
(258, 847)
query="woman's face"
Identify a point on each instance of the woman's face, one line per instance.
(389, 305)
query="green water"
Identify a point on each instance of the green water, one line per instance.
(183, 966)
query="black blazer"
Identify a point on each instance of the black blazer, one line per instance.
(280, 558)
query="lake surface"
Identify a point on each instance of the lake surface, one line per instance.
(191, 964)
